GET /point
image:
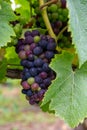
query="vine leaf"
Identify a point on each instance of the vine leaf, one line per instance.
(78, 27)
(23, 10)
(3, 67)
(68, 93)
(6, 15)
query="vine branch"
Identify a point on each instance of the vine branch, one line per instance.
(46, 20)
(14, 73)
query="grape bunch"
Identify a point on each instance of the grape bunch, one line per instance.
(36, 52)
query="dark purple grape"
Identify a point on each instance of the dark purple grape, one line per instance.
(27, 75)
(51, 46)
(28, 52)
(38, 79)
(41, 94)
(25, 70)
(29, 93)
(51, 40)
(31, 101)
(46, 67)
(39, 70)
(49, 55)
(33, 71)
(38, 62)
(42, 86)
(43, 43)
(37, 51)
(24, 91)
(35, 33)
(27, 33)
(32, 46)
(58, 24)
(29, 64)
(31, 57)
(29, 40)
(23, 62)
(47, 82)
(43, 75)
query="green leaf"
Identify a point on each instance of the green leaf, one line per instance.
(68, 93)
(11, 56)
(23, 10)
(78, 26)
(3, 67)
(6, 15)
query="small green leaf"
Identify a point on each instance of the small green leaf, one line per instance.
(23, 10)
(78, 26)
(6, 15)
(3, 67)
(68, 93)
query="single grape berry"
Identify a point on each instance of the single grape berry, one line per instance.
(27, 33)
(43, 75)
(31, 80)
(38, 79)
(36, 39)
(38, 62)
(26, 47)
(33, 71)
(29, 39)
(49, 54)
(22, 55)
(35, 33)
(29, 93)
(35, 86)
(51, 46)
(43, 43)
(27, 75)
(37, 51)
(31, 57)
(25, 85)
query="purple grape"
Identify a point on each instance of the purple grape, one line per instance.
(24, 91)
(35, 86)
(38, 62)
(29, 93)
(33, 71)
(47, 82)
(37, 51)
(29, 40)
(43, 43)
(51, 46)
(42, 86)
(23, 62)
(35, 33)
(49, 54)
(32, 46)
(29, 64)
(22, 55)
(25, 85)
(27, 33)
(27, 75)
(38, 79)
(43, 75)
(46, 67)
(31, 57)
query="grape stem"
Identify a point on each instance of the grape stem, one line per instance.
(61, 32)
(48, 3)
(46, 21)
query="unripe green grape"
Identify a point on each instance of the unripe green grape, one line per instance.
(36, 39)
(18, 29)
(54, 16)
(53, 8)
(31, 80)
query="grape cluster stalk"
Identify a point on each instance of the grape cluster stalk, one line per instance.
(36, 52)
